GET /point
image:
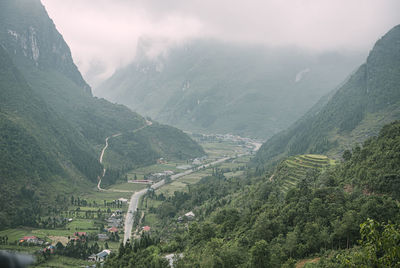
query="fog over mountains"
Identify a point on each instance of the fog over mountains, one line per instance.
(210, 86)
(104, 34)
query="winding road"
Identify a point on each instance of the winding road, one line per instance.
(148, 123)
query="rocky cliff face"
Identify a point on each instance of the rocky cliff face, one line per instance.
(35, 38)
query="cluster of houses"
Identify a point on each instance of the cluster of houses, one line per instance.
(82, 236)
(184, 167)
(160, 175)
(33, 240)
(199, 161)
(122, 200)
(115, 219)
(248, 143)
(161, 161)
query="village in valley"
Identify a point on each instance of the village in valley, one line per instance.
(85, 229)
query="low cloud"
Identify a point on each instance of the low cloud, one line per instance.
(103, 34)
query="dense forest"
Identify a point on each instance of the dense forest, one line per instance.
(253, 223)
(145, 146)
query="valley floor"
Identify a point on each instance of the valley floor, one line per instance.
(122, 206)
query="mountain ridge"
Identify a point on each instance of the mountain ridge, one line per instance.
(369, 99)
(209, 86)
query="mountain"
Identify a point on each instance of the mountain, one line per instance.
(369, 99)
(216, 87)
(52, 128)
(39, 149)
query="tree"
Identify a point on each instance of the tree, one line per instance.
(346, 155)
(379, 246)
(59, 247)
(260, 255)
(291, 242)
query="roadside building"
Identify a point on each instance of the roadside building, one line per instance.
(101, 256)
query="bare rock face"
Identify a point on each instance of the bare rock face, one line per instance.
(36, 38)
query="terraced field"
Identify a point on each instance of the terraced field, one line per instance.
(293, 169)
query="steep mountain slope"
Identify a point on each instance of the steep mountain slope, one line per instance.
(147, 145)
(39, 150)
(210, 86)
(44, 59)
(358, 109)
(52, 128)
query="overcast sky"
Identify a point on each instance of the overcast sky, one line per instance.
(103, 34)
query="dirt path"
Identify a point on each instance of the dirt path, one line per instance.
(136, 233)
(56, 239)
(148, 123)
(302, 263)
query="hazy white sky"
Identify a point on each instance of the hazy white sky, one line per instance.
(103, 34)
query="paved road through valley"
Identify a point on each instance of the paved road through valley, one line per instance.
(133, 204)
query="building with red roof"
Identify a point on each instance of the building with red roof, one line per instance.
(113, 230)
(80, 234)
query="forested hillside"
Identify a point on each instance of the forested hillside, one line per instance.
(147, 145)
(52, 128)
(215, 87)
(253, 223)
(358, 109)
(39, 149)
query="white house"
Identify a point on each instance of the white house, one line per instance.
(190, 215)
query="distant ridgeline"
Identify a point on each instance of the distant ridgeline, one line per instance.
(215, 87)
(369, 99)
(51, 125)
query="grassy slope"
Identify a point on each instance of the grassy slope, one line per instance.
(293, 169)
